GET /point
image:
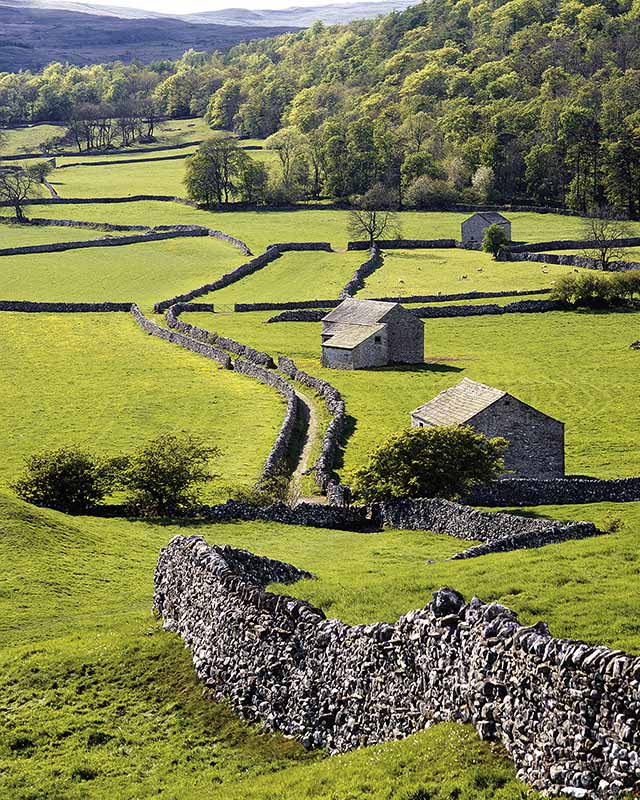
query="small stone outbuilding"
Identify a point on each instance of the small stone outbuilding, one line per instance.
(473, 229)
(367, 333)
(536, 441)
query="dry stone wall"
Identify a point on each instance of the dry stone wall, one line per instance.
(556, 491)
(566, 712)
(404, 244)
(30, 307)
(312, 515)
(573, 244)
(224, 342)
(569, 260)
(334, 403)
(277, 459)
(517, 307)
(206, 350)
(272, 252)
(433, 312)
(374, 262)
(497, 531)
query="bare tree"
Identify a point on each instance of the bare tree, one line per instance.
(374, 215)
(604, 236)
(16, 187)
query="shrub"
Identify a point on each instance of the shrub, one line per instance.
(163, 476)
(66, 479)
(597, 290)
(427, 192)
(494, 240)
(443, 461)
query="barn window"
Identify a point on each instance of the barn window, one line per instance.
(377, 339)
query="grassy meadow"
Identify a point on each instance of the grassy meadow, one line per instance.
(97, 381)
(410, 272)
(12, 235)
(99, 702)
(143, 273)
(27, 140)
(576, 366)
(293, 276)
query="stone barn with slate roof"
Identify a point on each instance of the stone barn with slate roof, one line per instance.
(473, 229)
(536, 441)
(367, 333)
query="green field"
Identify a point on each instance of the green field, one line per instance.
(410, 272)
(293, 276)
(260, 228)
(120, 180)
(170, 132)
(23, 235)
(27, 140)
(576, 366)
(97, 381)
(142, 273)
(100, 703)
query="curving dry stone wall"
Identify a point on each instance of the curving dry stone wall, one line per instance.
(334, 403)
(203, 335)
(566, 712)
(277, 458)
(203, 349)
(357, 282)
(497, 531)
(272, 252)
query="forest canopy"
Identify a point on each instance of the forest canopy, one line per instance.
(524, 100)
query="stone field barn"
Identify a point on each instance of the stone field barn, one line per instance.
(536, 441)
(368, 333)
(473, 229)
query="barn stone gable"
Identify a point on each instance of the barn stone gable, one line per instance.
(473, 229)
(367, 333)
(536, 440)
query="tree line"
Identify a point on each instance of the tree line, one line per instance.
(533, 101)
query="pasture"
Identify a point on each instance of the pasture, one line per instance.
(97, 381)
(411, 272)
(27, 139)
(98, 699)
(576, 366)
(12, 235)
(141, 273)
(99, 702)
(293, 276)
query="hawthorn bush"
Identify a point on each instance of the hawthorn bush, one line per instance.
(444, 461)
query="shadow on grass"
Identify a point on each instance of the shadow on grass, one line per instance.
(427, 366)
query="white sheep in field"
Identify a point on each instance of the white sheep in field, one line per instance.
(479, 269)
(545, 270)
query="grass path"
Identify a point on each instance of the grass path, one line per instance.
(306, 408)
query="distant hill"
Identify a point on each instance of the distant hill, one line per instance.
(333, 14)
(32, 36)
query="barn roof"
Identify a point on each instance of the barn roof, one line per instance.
(492, 217)
(360, 312)
(346, 337)
(459, 404)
